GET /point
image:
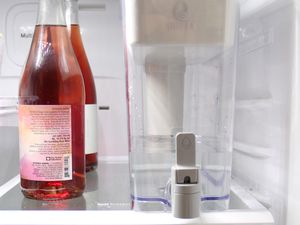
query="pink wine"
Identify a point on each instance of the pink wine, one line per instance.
(51, 112)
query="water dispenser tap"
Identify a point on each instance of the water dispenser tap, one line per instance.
(185, 178)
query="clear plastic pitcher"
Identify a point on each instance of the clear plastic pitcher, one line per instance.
(180, 78)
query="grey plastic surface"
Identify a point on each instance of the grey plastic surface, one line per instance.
(9, 153)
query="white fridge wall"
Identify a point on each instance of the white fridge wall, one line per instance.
(293, 216)
(101, 28)
(266, 142)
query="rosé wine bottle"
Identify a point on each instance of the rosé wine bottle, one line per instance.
(51, 111)
(90, 90)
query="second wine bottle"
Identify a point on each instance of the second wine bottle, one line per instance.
(72, 11)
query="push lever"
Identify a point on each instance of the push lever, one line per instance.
(185, 178)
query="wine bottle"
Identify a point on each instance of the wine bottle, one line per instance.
(90, 90)
(51, 111)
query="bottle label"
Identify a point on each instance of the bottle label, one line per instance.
(45, 142)
(90, 128)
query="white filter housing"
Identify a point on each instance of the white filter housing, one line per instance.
(154, 22)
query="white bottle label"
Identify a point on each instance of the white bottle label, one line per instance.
(90, 129)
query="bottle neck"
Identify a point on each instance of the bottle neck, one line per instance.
(72, 10)
(51, 12)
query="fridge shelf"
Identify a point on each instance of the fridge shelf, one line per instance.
(254, 104)
(107, 201)
(132, 218)
(252, 151)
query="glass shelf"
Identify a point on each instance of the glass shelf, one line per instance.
(102, 193)
(107, 201)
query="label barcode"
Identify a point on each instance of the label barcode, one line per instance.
(66, 166)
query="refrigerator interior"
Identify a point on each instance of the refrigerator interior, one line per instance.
(266, 121)
(263, 142)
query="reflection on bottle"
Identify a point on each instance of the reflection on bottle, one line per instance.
(71, 204)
